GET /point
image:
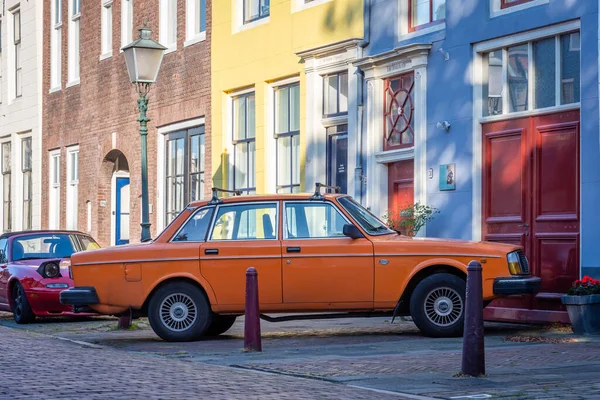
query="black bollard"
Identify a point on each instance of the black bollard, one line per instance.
(252, 340)
(473, 355)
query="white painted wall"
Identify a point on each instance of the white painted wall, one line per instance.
(22, 116)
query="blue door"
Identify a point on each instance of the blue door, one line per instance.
(122, 212)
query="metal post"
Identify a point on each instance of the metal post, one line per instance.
(252, 339)
(473, 354)
(143, 119)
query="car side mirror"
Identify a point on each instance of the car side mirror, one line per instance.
(352, 232)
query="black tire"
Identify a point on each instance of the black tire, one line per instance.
(186, 313)
(21, 308)
(437, 305)
(220, 324)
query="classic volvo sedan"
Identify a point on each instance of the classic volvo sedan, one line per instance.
(323, 254)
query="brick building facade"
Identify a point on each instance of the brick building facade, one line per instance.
(90, 132)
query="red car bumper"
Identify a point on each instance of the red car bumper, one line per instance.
(45, 302)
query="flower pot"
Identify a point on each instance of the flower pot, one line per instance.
(584, 313)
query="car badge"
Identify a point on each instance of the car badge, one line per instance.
(383, 262)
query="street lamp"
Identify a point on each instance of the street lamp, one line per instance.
(143, 57)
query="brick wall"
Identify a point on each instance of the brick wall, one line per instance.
(103, 108)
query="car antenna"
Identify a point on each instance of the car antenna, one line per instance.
(318, 195)
(215, 197)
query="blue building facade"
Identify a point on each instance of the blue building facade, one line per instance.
(487, 110)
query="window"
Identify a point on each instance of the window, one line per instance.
(3, 252)
(106, 28)
(246, 222)
(185, 169)
(313, 221)
(287, 135)
(55, 45)
(196, 20)
(6, 186)
(510, 3)
(337, 157)
(425, 12)
(0, 60)
(399, 118)
(87, 243)
(335, 94)
(26, 161)
(526, 76)
(244, 143)
(369, 222)
(18, 61)
(168, 23)
(126, 22)
(195, 228)
(255, 9)
(54, 198)
(72, 187)
(74, 40)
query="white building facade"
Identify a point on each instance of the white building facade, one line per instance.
(20, 114)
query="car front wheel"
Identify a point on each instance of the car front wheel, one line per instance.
(220, 324)
(437, 305)
(179, 312)
(21, 308)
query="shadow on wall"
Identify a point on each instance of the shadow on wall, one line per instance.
(337, 18)
(220, 175)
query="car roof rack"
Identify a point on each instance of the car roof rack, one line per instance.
(318, 195)
(215, 198)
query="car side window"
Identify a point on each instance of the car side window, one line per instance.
(87, 243)
(246, 222)
(196, 227)
(3, 248)
(313, 221)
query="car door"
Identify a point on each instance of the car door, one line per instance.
(320, 264)
(4, 274)
(243, 235)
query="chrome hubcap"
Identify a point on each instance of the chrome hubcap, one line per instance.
(178, 312)
(443, 306)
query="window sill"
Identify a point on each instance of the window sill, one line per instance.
(390, 156)
(333, 121)
(73, 83)
(253, 24)
(171, 48)
(55, 89)
(496, 11)
(301, 6)
(422, 32)
(105, 56)
(198, 38)
(529, 113)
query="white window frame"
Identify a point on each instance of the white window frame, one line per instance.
(1, 65)
(72, 213)
(403, 23)
(168, 17)
(194, 33)
(21, 188)
(54, 190)
(18, 56)
(106, 42)
(496, 9)
(229, 137)
(478, 101)
(238, 17)
(88, 206)
(9, 140)
(126, 22)
(301, 5)
(56, 46)
(74, 42)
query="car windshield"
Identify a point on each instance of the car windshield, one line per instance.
(45, 245)
(369, 222)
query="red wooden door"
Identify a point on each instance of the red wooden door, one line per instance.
(531, 198)
(401, 188)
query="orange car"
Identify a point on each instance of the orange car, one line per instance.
(319, 253)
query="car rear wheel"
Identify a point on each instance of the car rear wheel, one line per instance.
(437, 305)
(21, 308)
(179, 312)
(220, 324)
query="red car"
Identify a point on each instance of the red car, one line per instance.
(33, 272)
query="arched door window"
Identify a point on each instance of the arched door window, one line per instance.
(399, 112)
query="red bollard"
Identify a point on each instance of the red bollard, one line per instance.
(252, 320)
(473, 354)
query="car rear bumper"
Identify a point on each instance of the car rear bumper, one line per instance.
(46, 303)
(79, 296)
(517, 285)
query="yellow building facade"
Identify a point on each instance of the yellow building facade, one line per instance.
(262, 109)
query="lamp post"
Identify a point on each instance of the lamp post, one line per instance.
(143, 57)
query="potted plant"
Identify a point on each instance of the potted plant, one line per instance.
(411, 219)
(583, 305)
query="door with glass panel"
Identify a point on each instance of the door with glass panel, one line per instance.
(122, 211)
(337, 157)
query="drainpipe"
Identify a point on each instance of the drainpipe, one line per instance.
(359, 171)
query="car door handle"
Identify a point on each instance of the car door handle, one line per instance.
(211, 251)
(293, 249)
